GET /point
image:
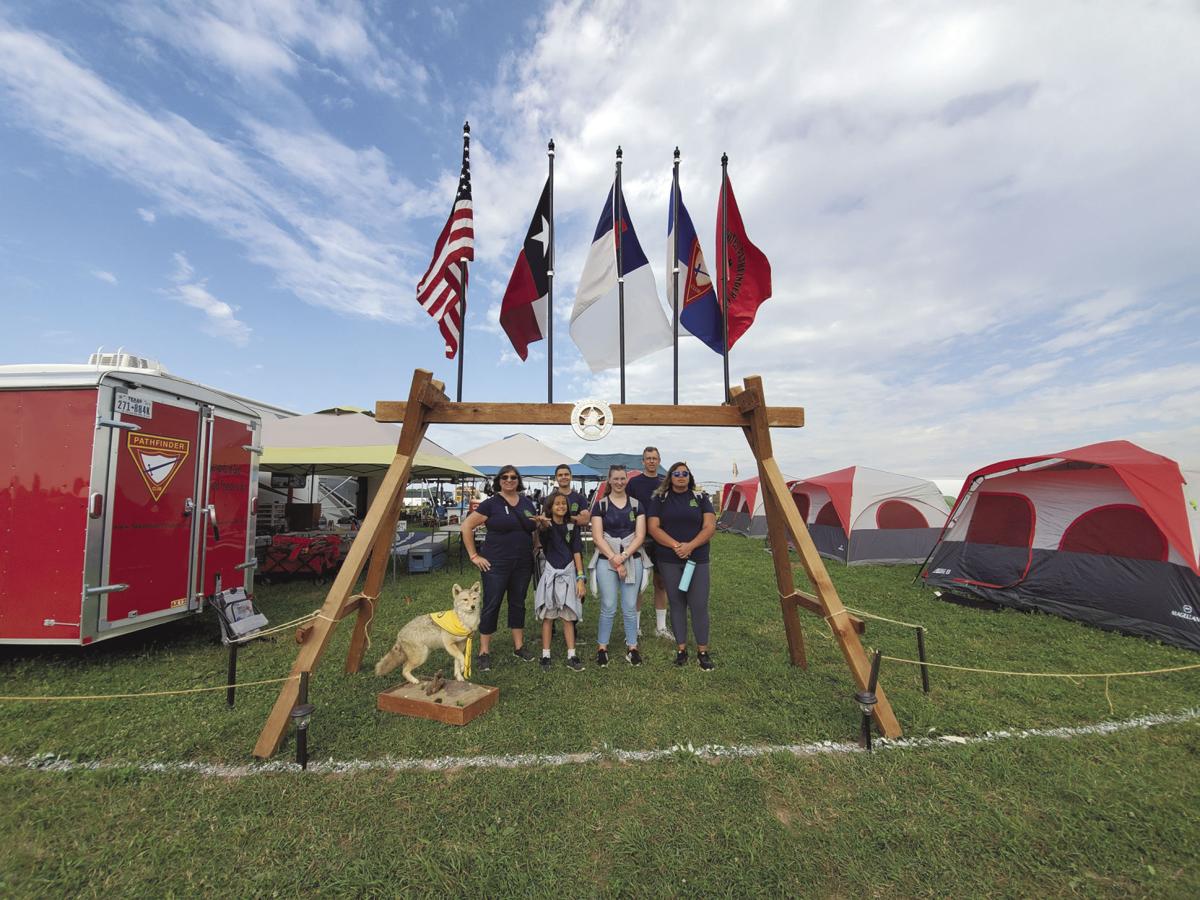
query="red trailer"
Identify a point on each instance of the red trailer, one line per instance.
(126, 499)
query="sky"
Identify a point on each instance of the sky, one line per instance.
(981, 218)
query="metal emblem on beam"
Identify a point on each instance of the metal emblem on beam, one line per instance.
(591, 419)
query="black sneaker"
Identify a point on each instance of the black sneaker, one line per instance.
(602, 658)
(574, 663)
(706, 663)
(545, 664)
(524, 653)
(484, 662)
(681, 658)
(633, 657)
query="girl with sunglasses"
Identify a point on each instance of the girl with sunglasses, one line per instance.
(506, 561)
(681, 521)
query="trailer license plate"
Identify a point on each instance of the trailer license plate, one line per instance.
(135, 406)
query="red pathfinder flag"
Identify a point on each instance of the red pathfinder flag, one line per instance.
(747, 271)
(524, 311)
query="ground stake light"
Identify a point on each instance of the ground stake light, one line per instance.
(866, 701)
(301, 716)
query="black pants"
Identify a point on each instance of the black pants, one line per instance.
(506, 576)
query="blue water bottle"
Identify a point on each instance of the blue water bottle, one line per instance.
(685, 581)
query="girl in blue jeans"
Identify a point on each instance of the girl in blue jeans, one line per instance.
(618, 530)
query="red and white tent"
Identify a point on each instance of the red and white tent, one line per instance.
(866, 516)
(1107, 534)
(857, 515)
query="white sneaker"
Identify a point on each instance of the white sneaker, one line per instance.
(665, 633)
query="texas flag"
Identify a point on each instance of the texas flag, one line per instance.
(595, 318)
(699, 311)
(523, 312)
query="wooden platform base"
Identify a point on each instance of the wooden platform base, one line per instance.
(456, 704)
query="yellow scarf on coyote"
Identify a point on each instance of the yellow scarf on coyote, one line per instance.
(448, 621)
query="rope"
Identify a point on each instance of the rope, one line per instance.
(866, 615)
(219, 687)
(274, 629)
(1068, 675)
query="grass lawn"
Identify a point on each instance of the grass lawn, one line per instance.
(1097, 815)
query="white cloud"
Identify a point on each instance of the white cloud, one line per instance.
(323, 259)
(220, 319)
(273, 40)
(102, 275)
(941, 192)
(147, 215)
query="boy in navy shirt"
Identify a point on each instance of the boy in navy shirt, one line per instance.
(642, 486)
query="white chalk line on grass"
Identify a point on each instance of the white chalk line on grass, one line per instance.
(49, 762)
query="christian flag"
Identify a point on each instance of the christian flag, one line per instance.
(595, 318)
(747, 272)
(523, 312)
(699, 311)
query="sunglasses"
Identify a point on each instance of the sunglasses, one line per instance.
(680, 473)
(508, 477)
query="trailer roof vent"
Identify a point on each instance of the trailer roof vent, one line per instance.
(122, 360)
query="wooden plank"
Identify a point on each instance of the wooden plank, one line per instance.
(777, 536)
(648, 414)
(431, 396)
(812, 604)
(394, 482)
(834, 612)
(778, 500)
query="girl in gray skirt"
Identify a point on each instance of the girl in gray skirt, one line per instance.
(560, 590)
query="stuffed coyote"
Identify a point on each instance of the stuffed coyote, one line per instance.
(450, 630)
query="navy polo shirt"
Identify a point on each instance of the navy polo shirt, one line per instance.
(681, 516)
(509, 528)
(642, 486)
(619, 521)
(560, 543)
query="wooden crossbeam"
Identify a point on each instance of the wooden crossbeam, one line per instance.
(649, 414)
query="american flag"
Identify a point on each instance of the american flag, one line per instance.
(443, 290)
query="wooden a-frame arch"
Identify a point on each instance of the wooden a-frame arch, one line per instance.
(428, 404)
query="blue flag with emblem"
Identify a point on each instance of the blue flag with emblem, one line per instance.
(699, 311)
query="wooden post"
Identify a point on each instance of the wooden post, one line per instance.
(752, 402)
(424, 392)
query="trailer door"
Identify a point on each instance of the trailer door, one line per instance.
(232, 475)
(153, 509)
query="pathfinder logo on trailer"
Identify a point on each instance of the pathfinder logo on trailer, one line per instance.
(158, 459)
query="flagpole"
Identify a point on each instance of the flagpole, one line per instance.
(617, 221)
(725, 272)
(675, 270)
(462, 332)
(550, 286)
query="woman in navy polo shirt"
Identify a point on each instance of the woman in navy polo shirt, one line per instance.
(681, 521)
(618, 530)
(506, 561)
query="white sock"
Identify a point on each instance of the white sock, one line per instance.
(571, 653)
(660, 616)
(545, 653)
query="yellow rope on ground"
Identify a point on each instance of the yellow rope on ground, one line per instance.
(1070, 675)
(867, 615)
(219, 687)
